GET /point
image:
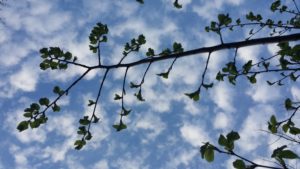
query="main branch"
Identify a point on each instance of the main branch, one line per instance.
(239, 44)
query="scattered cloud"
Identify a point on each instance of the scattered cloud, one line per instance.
(194, 135)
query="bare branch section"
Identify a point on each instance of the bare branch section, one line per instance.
(239, 44)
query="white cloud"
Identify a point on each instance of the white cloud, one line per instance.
(103, 164)
(261, 92)
(25, 79)
(193, 134)
(295, 91)
(130, 161)
(183, 157)
(222, 121)
(222, 94)
(251, 136)
(151, 123)
(207, 8)
(249, 53)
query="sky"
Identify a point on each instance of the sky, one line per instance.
(167, 129)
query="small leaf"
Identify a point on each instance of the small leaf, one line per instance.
(23, 126)
(125, 112)
(222, 140)
(91, 102)
(150, 52)
(177, 5)
(177, 47)
(117, 97)
(233, 136)
(207, 86)
(85, 121)
(44, 101)
(139, 96)
(288, 154)
(55, 108)
(140, 1)
(239, 164)
(273, 120)
(288, 104)
(133, 85)
(209, 154)
(120, 126)
(294, 130)
(88, 136)
(164, 75)
(195, 95)
(285, 127)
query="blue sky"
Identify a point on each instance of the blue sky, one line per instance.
(167, 130)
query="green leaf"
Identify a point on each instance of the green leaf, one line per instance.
(247, 66)
(150, 52)
(220, 76)
(273, 120)
(125, 112)
(133, 85)
(224, 19)
(194, 96)
(35, 106)
(165, 52)
(222, 140)
(209, 154)
(252, 79)
(285, 127)
(91, 102)
(140, 1)
(177, 47)
(96, 119)
(233, 136)
(139, 96)
(177, 5)
(34, 124)
(23, 126)
(85, 121)
(203, 149)
(117, 97)
(164, 75)
(88, 136)
(294, 130)
(288, 104)
(44, 101)
(288, 154)
(28, 114)
(207, 86)
(141, 39)
(55, 108)
(79, 144)
(120, 126)
(239, 164)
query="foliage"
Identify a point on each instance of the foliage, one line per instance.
(288, 58)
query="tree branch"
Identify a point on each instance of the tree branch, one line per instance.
(239, 44)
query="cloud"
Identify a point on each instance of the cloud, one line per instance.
(193, 134)
(222, 121)
(251, 136)
(183, 157)
(261, 92)
(152, 124)
(295, 91)
(130, 161)
(102, 164)
(222, 94)
(206, 8)
(25, 79)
